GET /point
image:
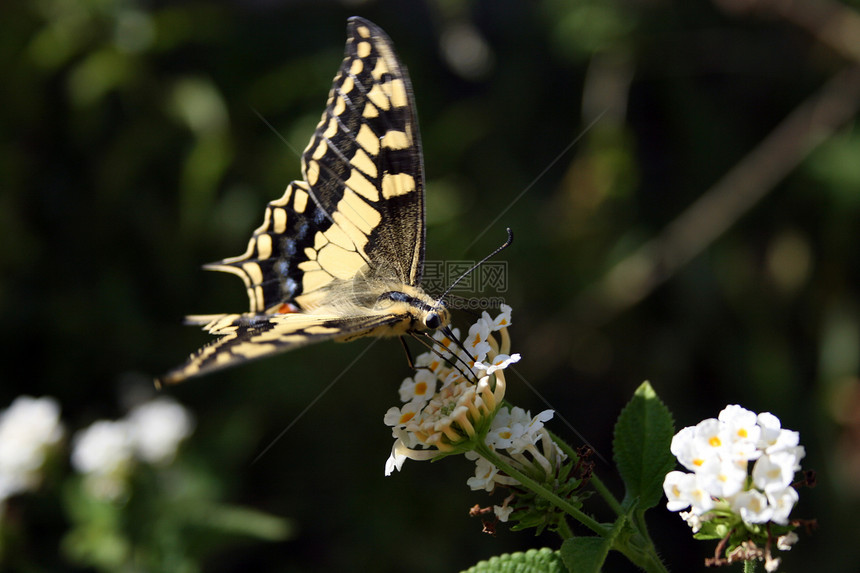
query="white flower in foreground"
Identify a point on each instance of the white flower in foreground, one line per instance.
(29, 427)
(447, 402)
(740, 423)
(421, 387)
(782, 503)
(722, 477)
(104, 452)
(752, 506)
(743, 465)
(775, 472)
(502, 320)
(157, 427)
(499, 362)
(684, 490)
(677, 487)
(399, 417)
(484, 474)
(515, 429)
(477, 342)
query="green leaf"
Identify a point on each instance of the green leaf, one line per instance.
(643, 434)
(543, 560)
(585, 554)
(238, 520)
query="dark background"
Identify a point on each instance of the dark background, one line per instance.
(132, 154)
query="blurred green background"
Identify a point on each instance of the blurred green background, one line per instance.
(132, 154)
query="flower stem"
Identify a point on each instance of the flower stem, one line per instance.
(644, 556)
(491, 456)
(563, 528)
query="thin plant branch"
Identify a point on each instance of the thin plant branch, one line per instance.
(636, 276)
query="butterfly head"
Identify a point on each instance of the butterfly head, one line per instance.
(436, 317)
(426, 313)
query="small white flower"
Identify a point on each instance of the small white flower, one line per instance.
(684, 490)
(444, 344)
(515, 429)
(711, 438)
(476, 343)
(782, 503)
(785, 542)
(104, 452)
(399, 417)
(502, 320)
(503, 512)
(752, 506)
(743, 431)
(722, 477)
(397, 458)
(774, 472)
(421, 387)
(771, 563)
(684, 448)
(499, 362)
(770, 429)
(28, 428)
(676, 486)
(157, 427)
(484, 474)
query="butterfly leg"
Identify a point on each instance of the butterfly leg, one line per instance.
(408, 353)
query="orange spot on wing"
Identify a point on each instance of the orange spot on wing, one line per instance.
(286, 308)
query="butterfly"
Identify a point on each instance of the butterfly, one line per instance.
(340, 255)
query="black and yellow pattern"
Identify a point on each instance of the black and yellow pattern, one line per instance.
(340, 255)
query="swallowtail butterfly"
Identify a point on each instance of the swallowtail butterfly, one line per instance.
(339, 256)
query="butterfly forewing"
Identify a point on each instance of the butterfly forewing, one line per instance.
(364, 160)
(352, 230)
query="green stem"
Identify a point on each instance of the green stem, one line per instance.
(750, 566)
(539, 489)
(563, 528)
(645, 557)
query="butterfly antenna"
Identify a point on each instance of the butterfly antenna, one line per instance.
(481, 262)
(450, 334)
(431, 346)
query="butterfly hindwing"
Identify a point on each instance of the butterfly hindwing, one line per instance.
(273, 266)
(246, 337)
(354, 223)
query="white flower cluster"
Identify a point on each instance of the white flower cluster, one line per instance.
(106, 450)
(29, 428)
(443, 402)
(720, 454)
(514, 432)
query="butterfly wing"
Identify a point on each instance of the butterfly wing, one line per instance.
(360, 210)
(364, 162)
(245, 337)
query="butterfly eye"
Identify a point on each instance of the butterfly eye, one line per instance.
(432, 321)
